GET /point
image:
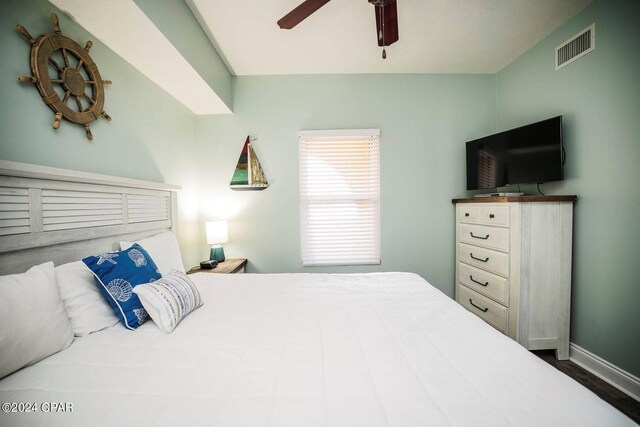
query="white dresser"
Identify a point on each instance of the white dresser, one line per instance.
(513, 266)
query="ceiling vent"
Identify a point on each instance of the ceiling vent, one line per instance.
(576, 47)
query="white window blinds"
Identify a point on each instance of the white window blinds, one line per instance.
(340, 197)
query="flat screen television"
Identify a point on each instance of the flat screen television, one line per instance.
(530, 154)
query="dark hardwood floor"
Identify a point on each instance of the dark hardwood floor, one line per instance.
(607, 392)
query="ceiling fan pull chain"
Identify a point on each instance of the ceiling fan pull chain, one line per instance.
(380, 35)
(384, 51)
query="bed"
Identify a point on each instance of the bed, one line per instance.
(377, 349)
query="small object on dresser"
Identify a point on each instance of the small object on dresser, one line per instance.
(208, 264)
(499, 195)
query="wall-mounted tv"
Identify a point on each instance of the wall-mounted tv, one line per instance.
(530, 154)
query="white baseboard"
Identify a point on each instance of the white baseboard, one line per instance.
(622, 380)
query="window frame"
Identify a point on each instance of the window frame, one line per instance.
(356, 135)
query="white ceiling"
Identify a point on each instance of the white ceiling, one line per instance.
(436, 36)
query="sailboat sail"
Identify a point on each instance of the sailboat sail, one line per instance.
(248, 174)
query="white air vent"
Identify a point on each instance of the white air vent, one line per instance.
(576, 47)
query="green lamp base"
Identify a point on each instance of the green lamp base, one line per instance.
(217, 253)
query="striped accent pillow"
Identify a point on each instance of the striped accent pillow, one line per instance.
(169, 299)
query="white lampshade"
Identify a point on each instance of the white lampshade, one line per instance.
(217, 232)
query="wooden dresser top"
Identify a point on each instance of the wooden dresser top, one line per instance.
(521, 199)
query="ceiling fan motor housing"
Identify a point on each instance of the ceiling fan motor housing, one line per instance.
(381, 3)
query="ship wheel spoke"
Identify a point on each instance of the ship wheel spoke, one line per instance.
(91, 101)
(55, 64)
(79, 102)
(56, 80)
(66, 97)
(90, 82)
(80, 63)
(66, 58)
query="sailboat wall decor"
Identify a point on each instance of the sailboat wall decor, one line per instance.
(248, 174)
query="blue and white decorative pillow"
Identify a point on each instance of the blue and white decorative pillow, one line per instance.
(117, 273)
(169, 300)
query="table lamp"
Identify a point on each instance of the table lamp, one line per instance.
(217, 233)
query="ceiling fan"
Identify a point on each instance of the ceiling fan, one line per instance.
(386, 19)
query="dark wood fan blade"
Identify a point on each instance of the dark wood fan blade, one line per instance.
(300, 13)
(387, 24)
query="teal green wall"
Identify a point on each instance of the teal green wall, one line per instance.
(599, 98)
(151, 137)
(176, 21)
(423, 120)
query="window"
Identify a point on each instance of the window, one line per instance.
(340, 197)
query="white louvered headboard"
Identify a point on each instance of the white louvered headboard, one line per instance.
(50, 214)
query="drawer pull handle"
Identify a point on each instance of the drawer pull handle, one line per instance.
(484, 310)
(479, 259)
(479, 283)
(466, 214)
(491, 216)
(479, 237)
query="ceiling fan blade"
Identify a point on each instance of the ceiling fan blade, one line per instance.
(300, 13)
(387, 24)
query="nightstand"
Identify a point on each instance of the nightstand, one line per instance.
(228, 266)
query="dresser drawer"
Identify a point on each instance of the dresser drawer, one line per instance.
(488, 214)
(468, 213)
(488, 237)
(494, 215)
(490, 285)
(486, 259)
(488, 310)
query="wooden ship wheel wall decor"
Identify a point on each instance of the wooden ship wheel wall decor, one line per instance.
(63, 86)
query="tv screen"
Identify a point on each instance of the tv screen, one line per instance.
(526, 155)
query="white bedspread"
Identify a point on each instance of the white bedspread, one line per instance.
(369, 350)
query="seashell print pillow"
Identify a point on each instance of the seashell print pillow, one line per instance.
(116, 274)
(164, 249)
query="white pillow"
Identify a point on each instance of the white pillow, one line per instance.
(33, 321)
(169, 299)
(87, 309)
(164, 251)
